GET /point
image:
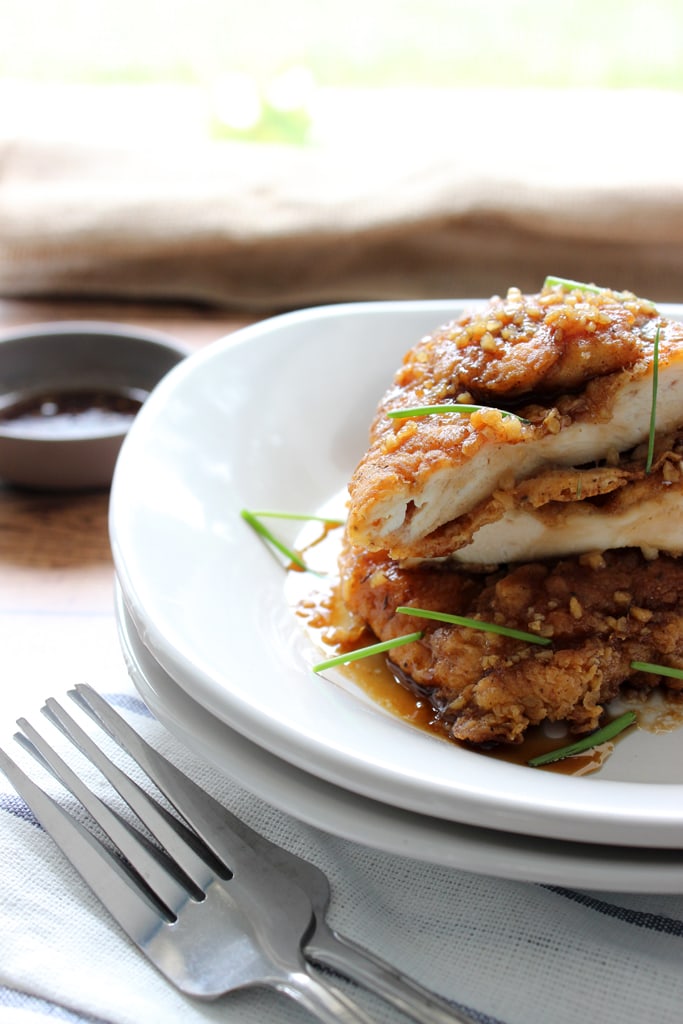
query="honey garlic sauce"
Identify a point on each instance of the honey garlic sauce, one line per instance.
(387, 688)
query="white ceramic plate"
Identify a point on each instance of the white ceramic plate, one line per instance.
(381, 826)
(276, 417)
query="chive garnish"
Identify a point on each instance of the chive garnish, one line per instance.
(487, 627)
(270, 538)
(658, 670)
(571, 286)
(653, 411)
(366, 652)
(254, 520)
(594, 739)
(299, 516)
(432, 410)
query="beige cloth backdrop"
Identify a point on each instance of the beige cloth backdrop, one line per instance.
(511, 188)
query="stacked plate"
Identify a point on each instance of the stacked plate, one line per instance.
(276, 417)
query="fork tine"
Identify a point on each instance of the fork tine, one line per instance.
(151, 864)
(226, 836)
(167, 831)
(100, 869)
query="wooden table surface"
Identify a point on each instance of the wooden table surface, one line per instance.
(56, 572)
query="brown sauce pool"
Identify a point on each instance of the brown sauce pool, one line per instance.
(384, 686)
(70, 414)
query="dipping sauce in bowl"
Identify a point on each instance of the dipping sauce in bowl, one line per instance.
(68, 395)
(70, 413)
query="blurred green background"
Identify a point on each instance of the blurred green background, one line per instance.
(258, 69)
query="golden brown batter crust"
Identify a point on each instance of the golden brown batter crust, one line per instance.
(576, 365)
(600, 612)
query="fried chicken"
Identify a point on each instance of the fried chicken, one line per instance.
(598, 612)
(553, 508)
(576, 367)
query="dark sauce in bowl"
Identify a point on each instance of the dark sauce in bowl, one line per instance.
(70, 414)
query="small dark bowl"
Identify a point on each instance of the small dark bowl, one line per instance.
(68, 394)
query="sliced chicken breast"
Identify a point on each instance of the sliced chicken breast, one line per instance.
(564, 380)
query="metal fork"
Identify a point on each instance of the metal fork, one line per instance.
(282, 875)
(209, 928)
(219, 829)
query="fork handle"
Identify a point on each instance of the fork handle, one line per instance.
(325, 1002)
(353, 961)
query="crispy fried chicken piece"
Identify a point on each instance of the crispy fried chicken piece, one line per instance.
(497, 516)
(577, 366)
(601, 612)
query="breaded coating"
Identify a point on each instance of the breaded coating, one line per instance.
(600, 613)
(575, 366)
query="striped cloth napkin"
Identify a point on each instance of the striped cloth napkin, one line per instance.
(509, 952)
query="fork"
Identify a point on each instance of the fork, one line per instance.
(275, 874)
(208, 928)
(218, 829)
